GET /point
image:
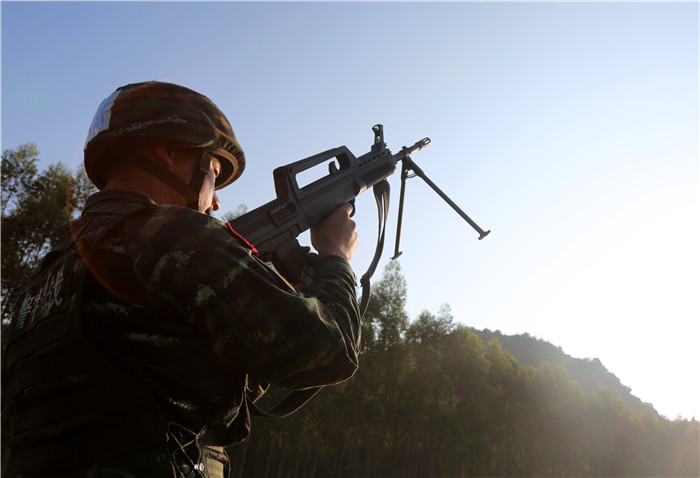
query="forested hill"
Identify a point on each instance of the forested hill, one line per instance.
(433, 398)
(590, 373)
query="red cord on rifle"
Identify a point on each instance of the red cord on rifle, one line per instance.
(252, 247)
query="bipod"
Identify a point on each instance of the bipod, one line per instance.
(408, 166)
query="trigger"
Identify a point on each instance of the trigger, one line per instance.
(352, 203)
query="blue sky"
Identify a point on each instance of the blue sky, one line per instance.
(568, 129)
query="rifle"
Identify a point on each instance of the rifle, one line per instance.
(273, 228)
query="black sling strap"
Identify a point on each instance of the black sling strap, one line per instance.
(381, 195)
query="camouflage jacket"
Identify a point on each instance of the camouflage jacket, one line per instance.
(195, 314)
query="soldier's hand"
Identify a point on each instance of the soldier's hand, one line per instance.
(336, 234)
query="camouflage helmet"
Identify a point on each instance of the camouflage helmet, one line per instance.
(154, 110)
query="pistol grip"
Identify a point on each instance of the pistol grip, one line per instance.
(292, 261)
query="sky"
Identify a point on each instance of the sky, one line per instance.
(570, 130)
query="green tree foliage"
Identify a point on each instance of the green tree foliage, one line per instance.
(37, 208)
(18, 171)
(428, 327)
(386, 319)
(431, 399)
(589, 373)
(231, 215)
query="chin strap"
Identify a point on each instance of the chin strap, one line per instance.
(198, 176)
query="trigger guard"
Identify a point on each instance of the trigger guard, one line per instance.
(352, 203)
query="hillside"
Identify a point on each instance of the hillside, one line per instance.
(437, 402)
(590, 374)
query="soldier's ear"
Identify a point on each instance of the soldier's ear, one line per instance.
(160, 155)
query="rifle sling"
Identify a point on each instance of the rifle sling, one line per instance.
(381, 195)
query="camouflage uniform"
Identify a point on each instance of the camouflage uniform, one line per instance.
(186, 308)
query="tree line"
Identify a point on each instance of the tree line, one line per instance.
(431, 398)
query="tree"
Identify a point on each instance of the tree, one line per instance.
(37, 209)
(231, 215)
(428, 327)
(18, 171)
(386, 318)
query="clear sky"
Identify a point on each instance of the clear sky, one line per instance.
(568, 129)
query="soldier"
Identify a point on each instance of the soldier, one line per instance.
(144, 336)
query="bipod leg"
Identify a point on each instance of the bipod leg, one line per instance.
(402, 195)
(408, 163)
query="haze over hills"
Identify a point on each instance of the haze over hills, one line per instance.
(590, 373)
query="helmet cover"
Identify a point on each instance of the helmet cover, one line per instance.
(143, 112)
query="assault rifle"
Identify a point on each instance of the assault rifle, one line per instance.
(274, 227)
